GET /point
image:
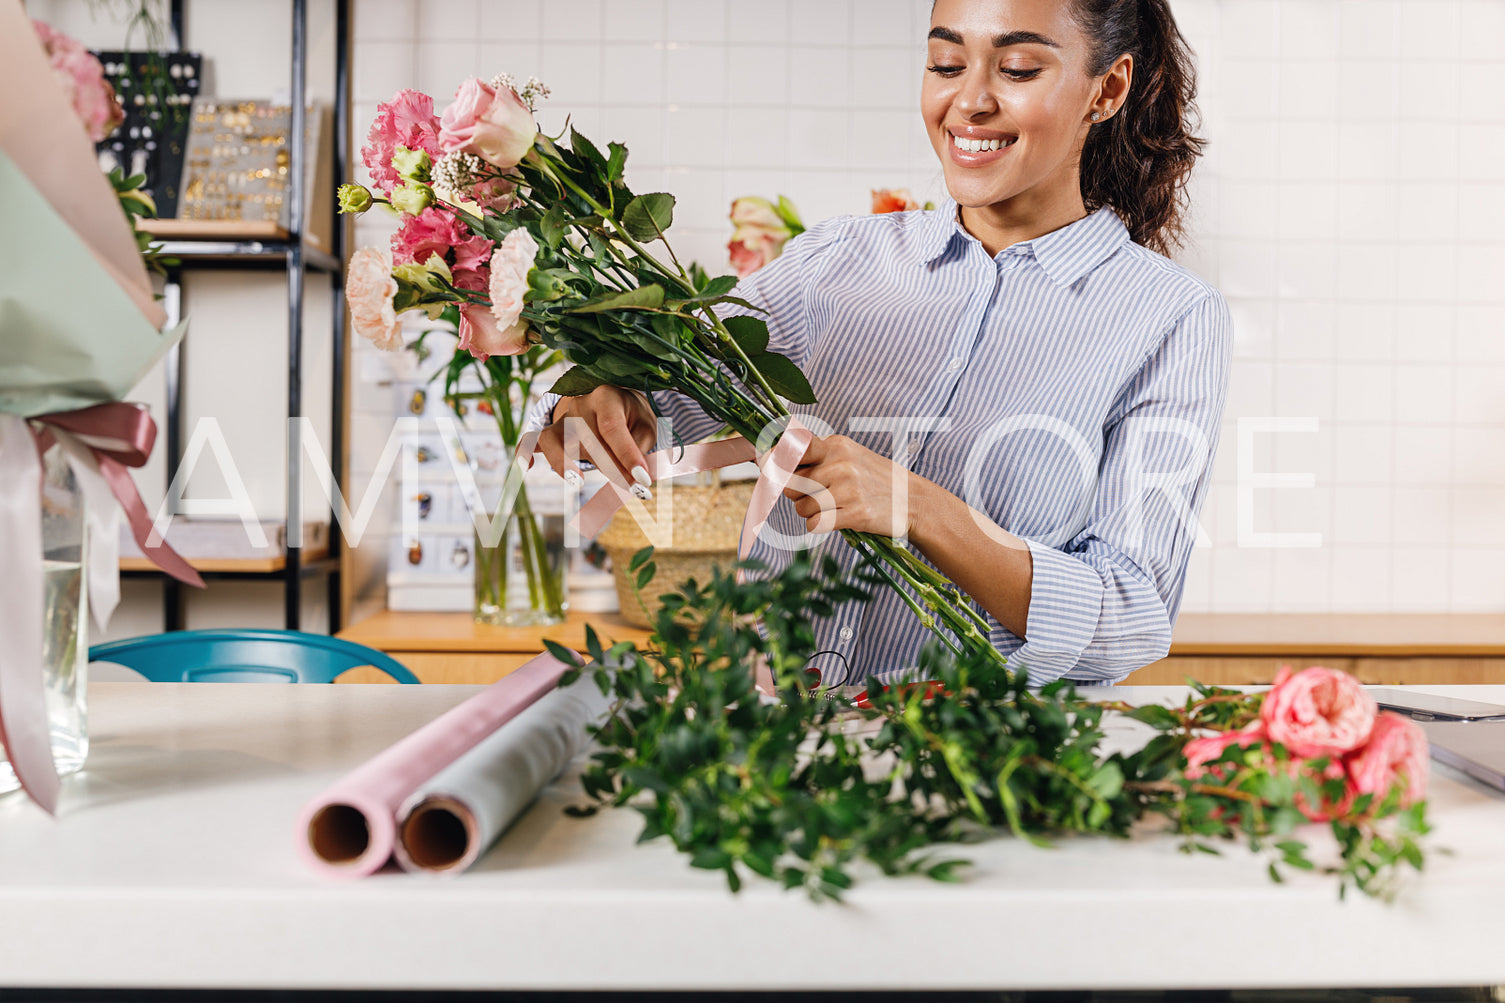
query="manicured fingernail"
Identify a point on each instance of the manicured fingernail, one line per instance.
(640, 474)
(573, 479)
(641, 493)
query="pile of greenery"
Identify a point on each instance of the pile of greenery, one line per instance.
(801, 788)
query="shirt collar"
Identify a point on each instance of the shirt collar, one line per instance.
(1065, 254)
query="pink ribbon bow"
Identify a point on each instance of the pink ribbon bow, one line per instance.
(117, 435)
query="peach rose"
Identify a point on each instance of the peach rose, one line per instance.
(1317, 712)
(481, 336)
(369, 288)
(751, 211)
(1396, 752)
(492, 124)
(752, 247)
(893, 200)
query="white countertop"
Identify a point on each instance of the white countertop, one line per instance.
(172, 864)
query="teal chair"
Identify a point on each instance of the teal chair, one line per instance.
(244, 656)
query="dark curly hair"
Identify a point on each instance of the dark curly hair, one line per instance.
(1139, 160)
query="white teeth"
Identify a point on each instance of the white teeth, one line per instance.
(979, 145)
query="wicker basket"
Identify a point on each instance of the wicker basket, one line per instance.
(707, 525)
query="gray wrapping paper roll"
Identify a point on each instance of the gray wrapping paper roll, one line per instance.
(447, 823)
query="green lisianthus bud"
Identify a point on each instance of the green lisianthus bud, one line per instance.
(412, 198)
(413, 165)
(354, 198)
(433, 276)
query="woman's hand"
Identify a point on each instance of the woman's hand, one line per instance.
(622, 420)
(853, 488)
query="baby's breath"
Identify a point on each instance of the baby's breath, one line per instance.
(529, 93)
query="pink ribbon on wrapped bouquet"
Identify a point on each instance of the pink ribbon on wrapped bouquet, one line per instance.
(112, 436)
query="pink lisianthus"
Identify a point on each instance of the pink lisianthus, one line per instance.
(1396, 752)
(407, 120)
(1201, 751)
(490, 123)
(893, 200)
(510, 266)
(439, 231)
(1317, 712)
(369, 289)
(83, 80)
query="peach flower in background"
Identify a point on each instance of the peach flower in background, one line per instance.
(369, 289)
(1317, 712)
(481, 336)
(760, 235)
(491, 123)
(1396, 751)
(893, 200)
(510, 265)
(407, 120)
(83, 80)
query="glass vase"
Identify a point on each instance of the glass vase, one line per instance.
(520, 579)
(65, 612)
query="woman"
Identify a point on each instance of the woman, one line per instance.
(1019, 382)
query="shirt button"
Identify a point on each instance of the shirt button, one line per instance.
(953, 365)
(845, 633)
(914, 446)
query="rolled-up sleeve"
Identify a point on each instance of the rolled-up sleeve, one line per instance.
(1102, 605)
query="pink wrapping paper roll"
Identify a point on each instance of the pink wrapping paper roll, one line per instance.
(350, 829)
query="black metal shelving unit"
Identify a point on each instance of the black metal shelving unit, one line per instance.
(296, 258)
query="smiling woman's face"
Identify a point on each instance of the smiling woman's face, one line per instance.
(1007, 103)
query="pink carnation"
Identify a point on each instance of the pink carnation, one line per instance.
(1396, 752)
(438, 231)
(407, 120)
(1317, 712)
(83, 80)
(369, 289)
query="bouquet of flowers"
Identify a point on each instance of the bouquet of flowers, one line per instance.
(81, 328)
(537, 240)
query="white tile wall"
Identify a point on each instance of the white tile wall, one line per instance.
(1351, 207)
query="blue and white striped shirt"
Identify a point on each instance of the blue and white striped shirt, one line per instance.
(1073, 384)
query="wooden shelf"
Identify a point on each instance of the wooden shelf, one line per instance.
(1356, 635)
(232, 565)
(222, 230)
(458, 632)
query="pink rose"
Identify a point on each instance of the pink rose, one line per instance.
(1201, 751)
(510, 266)
(1396, 752)
(369, 288)
(407, 120)
(439, 231)
(1317, 712)
(83, 80)
(893, 200)
(759, 213)
(481, 336)
(493, 124)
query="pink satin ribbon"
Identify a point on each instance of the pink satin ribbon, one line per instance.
(118, 435)
(777, 467)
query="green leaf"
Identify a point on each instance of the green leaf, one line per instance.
(593, 644)
(647, 297)
(750, 334)
(553, 226)
(576, 382)
(616, 163)
(641, 558)
(579, 144)
(645, 574)
(647, 217)
(562, 653)
(785, 377)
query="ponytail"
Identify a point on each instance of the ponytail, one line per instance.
(1139, 160)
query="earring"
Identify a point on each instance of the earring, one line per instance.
(1095, 116)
